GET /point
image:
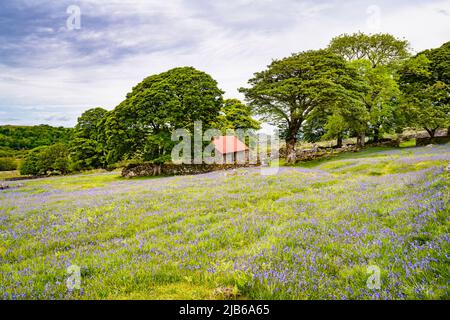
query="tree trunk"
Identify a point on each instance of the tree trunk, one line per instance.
(376, 134)
(431, 132)
(339, 140)
(361, 140)
(291, 154)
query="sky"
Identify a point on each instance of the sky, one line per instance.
(59, 58)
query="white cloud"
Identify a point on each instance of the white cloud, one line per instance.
(121, 42)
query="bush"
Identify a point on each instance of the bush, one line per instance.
(47, 161)
(31, 165)
(8, 164)
(6, 152)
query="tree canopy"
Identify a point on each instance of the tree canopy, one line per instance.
(47, 160)
(378, 49)
(140, 127)
(235, 115)
(359, 85)
(88, 147)
(290, 90)
(29, 137)
(376, 57)
(425, 83)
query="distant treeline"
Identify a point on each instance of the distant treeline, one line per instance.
(30, 137)
(360, 86)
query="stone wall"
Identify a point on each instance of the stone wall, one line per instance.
(424, 134)
(319, 152)
(306, 155)
(435, 140)
(150, 169)
(385, 143)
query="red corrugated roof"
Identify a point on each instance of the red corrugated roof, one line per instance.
(228, 144)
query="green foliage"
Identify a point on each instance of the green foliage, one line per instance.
(31, 165)
(88, 125)
(378, 49)
(141, 126)
(314, 129)
(376, 57)
(8, 164)
(425, 83)
(23, 137)
(157, 147)
(439, 63)
(335, 126)
(346, 119)
(294, 89)
(88, 148)
(361, 84)
(235, 115)
(382, 100)
(46, 160)
(6, 152)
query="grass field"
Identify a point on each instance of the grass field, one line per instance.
(9, 174)
(305, 233)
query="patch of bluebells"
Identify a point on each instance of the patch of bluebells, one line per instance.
(301, 234)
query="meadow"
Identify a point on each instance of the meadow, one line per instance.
(307, 232)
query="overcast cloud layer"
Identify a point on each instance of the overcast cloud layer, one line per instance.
(50, 74)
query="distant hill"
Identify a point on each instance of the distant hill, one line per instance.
(29, 137)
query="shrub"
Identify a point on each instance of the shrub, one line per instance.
(6, 152)
(52, 160)
(8, 164)
(31, 165)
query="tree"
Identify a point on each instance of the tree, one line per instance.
(440, 65)
(140, 126)
(88, 148)
(424, 89)
(335, 128)
(342, 118)
(313, 128)
(29, 137)
(47, 159)
(346, 119)
(88, 123)
(235, 115)
(377, 57)
(55, 158)
(8, 164)
(31, 165)
(381, 99)
(379, 49)
(289, 91)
